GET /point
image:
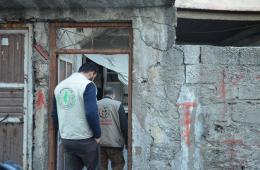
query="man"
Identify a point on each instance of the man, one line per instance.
(113, 121)
(75, 113)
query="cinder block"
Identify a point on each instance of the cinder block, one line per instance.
(203, 73)
(219, 55)
(238, 75)
(212, 93)
(172, 74)
(250, 55)
(246, 112)
(173, 56)
(249, 91)
(191, 54)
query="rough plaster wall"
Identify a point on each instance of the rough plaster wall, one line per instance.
(41, 79)
(156, 137)
(155, 140)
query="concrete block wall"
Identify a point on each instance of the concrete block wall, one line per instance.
(222, 82)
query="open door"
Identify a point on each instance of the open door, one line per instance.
(83, 41)
(66, 66)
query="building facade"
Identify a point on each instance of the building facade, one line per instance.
(190, 106)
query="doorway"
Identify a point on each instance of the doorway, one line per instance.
(109, 45)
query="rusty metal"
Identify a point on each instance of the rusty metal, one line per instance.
(11, 134)
(16, 26)
(130, 68)
(12, 145)
(12, 59)
(94, 51)
(95, 25)
(52, 83)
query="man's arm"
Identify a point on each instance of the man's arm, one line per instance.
(123, 122)
(91, 109)
(54, 114)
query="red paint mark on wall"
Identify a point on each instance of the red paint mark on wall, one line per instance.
(232, 152)
(187, 106)
(223, 93)
(257, 77)
(40, 100)
(233, 141)
(222, 85)
(187, 122)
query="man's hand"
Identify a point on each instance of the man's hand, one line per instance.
(97, 140)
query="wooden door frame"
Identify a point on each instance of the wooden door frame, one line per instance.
(54, 51)
(27, 86)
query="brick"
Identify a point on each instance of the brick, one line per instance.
(238, 75)
(219, 55)
(249, 91)
(174, 56)
(246, 112)
(249, 56)
(191, 54)
(203, 73)
(172, 74)
(211, 93)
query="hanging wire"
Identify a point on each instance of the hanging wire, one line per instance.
(72, 43)
(79, 34)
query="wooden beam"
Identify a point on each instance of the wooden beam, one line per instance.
(94, 25)
(52, 159)
(130, 69)
(52, 84)
(94, 51)
(222, 5)
(218, 15)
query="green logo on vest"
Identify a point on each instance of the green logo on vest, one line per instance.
(67, 98)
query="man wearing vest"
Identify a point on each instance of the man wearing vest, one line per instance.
(75, 113)
(113, 121)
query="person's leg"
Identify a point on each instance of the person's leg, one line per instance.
(72, 161)
(117, 159)
(104, 159)
(90, 154)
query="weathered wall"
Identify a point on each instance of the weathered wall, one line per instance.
(155, 140)
(41, 82)
(194, 107)
(219, 108)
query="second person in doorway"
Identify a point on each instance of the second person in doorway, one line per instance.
(113, 121)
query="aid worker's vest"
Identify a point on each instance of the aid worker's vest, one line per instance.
(70, 107)
(110, 124)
